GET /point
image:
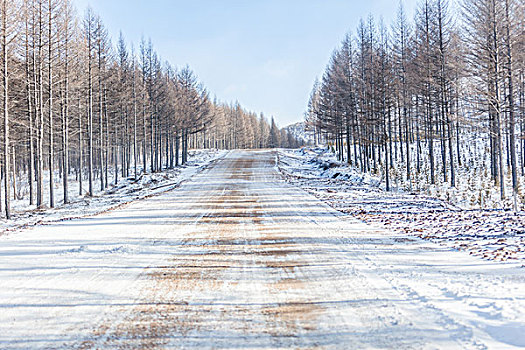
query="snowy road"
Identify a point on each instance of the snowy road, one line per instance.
(237, 258)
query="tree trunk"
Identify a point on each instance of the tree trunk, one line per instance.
(50, 105)
(80, 147)
(512, 122)
(6, 110)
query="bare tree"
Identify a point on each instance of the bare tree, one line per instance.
(9, 32)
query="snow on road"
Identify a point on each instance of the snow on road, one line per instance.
(238, 258)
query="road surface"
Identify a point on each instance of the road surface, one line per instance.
(237, 258)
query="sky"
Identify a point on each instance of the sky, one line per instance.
(265, 54)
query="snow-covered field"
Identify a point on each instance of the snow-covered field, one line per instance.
(474, 188)
(490, 234)
(236, 257)
(125, 191)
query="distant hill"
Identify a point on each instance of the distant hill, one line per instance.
(298, 131)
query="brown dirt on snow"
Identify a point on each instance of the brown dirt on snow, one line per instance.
(159, 316)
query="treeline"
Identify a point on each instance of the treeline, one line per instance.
(416, 93)
(77, 108)
(235, 128)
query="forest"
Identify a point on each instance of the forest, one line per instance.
(437, 100)
(79, 111)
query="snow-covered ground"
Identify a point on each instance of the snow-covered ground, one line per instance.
(474, 188)
(125, 191)
(490, 234)
(237, 258)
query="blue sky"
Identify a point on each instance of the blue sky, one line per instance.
(264, 53)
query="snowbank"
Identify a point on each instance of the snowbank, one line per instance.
(490, 234)
(126, 190)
